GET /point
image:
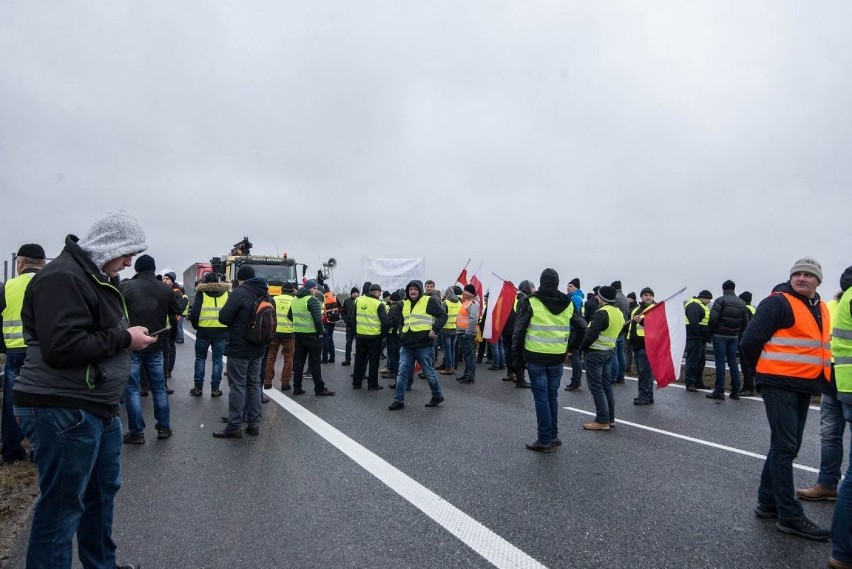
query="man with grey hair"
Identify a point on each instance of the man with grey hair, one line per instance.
(79, 344)
(787, 343)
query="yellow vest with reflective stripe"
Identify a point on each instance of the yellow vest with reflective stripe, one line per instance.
(367, 321)
(547, 332)
(640, 326)
(210, 307)
(13, 327)
(282, 307)
(751, 309)
(841, 343)
(606, 339)
(704, 321)
(416, 319)
(452, 311)
(303, 321)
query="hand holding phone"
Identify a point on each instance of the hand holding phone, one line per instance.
(158, 332)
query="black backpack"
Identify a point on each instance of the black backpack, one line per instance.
(263, 321)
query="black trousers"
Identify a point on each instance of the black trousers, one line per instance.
(308, 348)
(367, 352)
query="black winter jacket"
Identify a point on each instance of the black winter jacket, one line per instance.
(78, 346)
(694, 316)
(236, 315)
(728, 315)
(150, 303)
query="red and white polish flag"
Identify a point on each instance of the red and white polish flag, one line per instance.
(665, 338)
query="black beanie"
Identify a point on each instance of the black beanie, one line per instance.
(145, 263)
(607, 294)
(354, 290)
(245, 273)
(648, 290)
(632, 295)
(31, 250)
(575, 281)
(616, 285)
(470, 289)
(745, 296)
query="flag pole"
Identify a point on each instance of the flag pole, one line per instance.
(462, 271)
(656, 304)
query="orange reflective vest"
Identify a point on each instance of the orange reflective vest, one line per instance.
(803, 350)
(462, 319)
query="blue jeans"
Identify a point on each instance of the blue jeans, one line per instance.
(598, 364)
(218, 349)
(406, 370)
(786, 412)
(77, 455)
(449, 339)
(179, 338)
(12, 434)
(153, 362)
(725, 350)
(576, 367)
(498, 354)
(544, 384)
(393, 353)
(328, 342)
(618, 363)
(831, 425)
(466, 341)
(646, 378)
(244, 395)
(841, 525)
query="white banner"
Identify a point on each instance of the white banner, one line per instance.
(392, 274)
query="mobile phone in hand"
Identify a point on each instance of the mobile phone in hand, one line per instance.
(158, 332)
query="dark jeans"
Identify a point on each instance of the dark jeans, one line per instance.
(696, 357)
(748, 373)
(77, 455)
(217, 347)
(597, 376)
(407, 357)
(169, 355)
(576, 367)
(308, 349)
(725, 351)
(449, 341)
(350, 336)
(618, 363)
(328, 342)
(466, 341)
(831, 425)
(393, 353)
(11, 432)
(786, 412)
(152, 362)
(646, 378)
(841, 525)
(367, 352)
(544, 384)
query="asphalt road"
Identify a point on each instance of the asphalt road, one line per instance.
(334, 482)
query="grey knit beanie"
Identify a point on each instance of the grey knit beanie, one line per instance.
(807, 265)
(114, 235)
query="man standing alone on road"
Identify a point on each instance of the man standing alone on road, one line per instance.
(728, 319)
(788, 341)
(66, 399)
(210, 296)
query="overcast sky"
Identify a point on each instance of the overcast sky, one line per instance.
(667, 144)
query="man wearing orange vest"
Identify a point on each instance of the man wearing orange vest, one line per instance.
(787, 342)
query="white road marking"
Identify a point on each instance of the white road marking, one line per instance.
(482, 540)
(692, 439)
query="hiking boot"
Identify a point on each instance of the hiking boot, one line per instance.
(267, 386)
(195, 391)
(164, 433)
(253, 430)
(556, 442)
(715, 395)
(509, 377)
(435, 401)
(817, 493)
(639, 401)
(396, 405)
(345, 363)
(216, 392)
(692, 389)
(747, 393)
(285, 387)
(572, 386)
(540, 447)
(522, 384)
(228, 434)
(803, 527)
(595, 426)
(734, 395)
(766, 512)
(298, 391)
(134, 439)
(447, 371)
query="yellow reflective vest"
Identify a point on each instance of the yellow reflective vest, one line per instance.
(841, 343)
(367, 322)
(303, 321)
(452, 311)
(416, 319)
(704, 321)
(13, 327)
(606, 339)
(208, 317)
(282, 308)
(547, 332)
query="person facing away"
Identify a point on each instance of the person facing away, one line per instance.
(79, 345)
(210, 296)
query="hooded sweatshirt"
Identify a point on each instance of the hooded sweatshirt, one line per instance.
(556, 302)
(414, 340)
